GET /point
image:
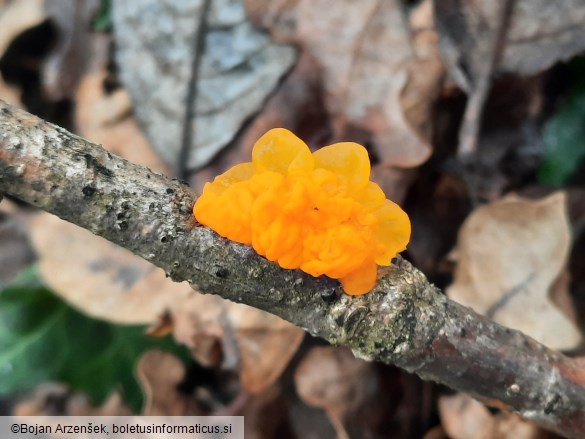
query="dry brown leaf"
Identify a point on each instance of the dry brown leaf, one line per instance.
(560, 296)
(372, 71)
(334, 380)
(197, 325)
(510, 252)
(267, 344)
(99, 278)
(108, 282)
(296, 105)
(8, 207)
(15, 249)
(364, 50)
(108, 120)
(66, 63)
(265, 413)
(18, 16)
(52, 399)
(465, 418)
(395, 182)
(540, 33)
(159, 374)
(9, 93)
(239, 68)
(237, 337)
(15, 18)
(426, 73)
(436, 433)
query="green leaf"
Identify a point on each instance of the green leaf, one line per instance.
(564, 134)
(44, 339)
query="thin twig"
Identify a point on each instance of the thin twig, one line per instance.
(481, 84)
(508, 295)
(191, 98)
(404, 321)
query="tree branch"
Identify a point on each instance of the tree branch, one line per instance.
(405, 321)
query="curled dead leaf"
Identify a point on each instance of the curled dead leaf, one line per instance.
(67, 61)
(463, 417)
(510, 252)
(365, 71)
(334, 380)
(52, 399)
(111, 283)
(16, 17)
(16, 252)
(426, 73)
(100, 278)
(237, 337)
(107, 119)
(371, 67)
(9, 93)
(159, 374)
(539, 34)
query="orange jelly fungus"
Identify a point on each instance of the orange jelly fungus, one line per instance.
(318, 212)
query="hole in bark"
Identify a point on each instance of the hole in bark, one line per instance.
(222, 273)
(330, 295)
(88, 191)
